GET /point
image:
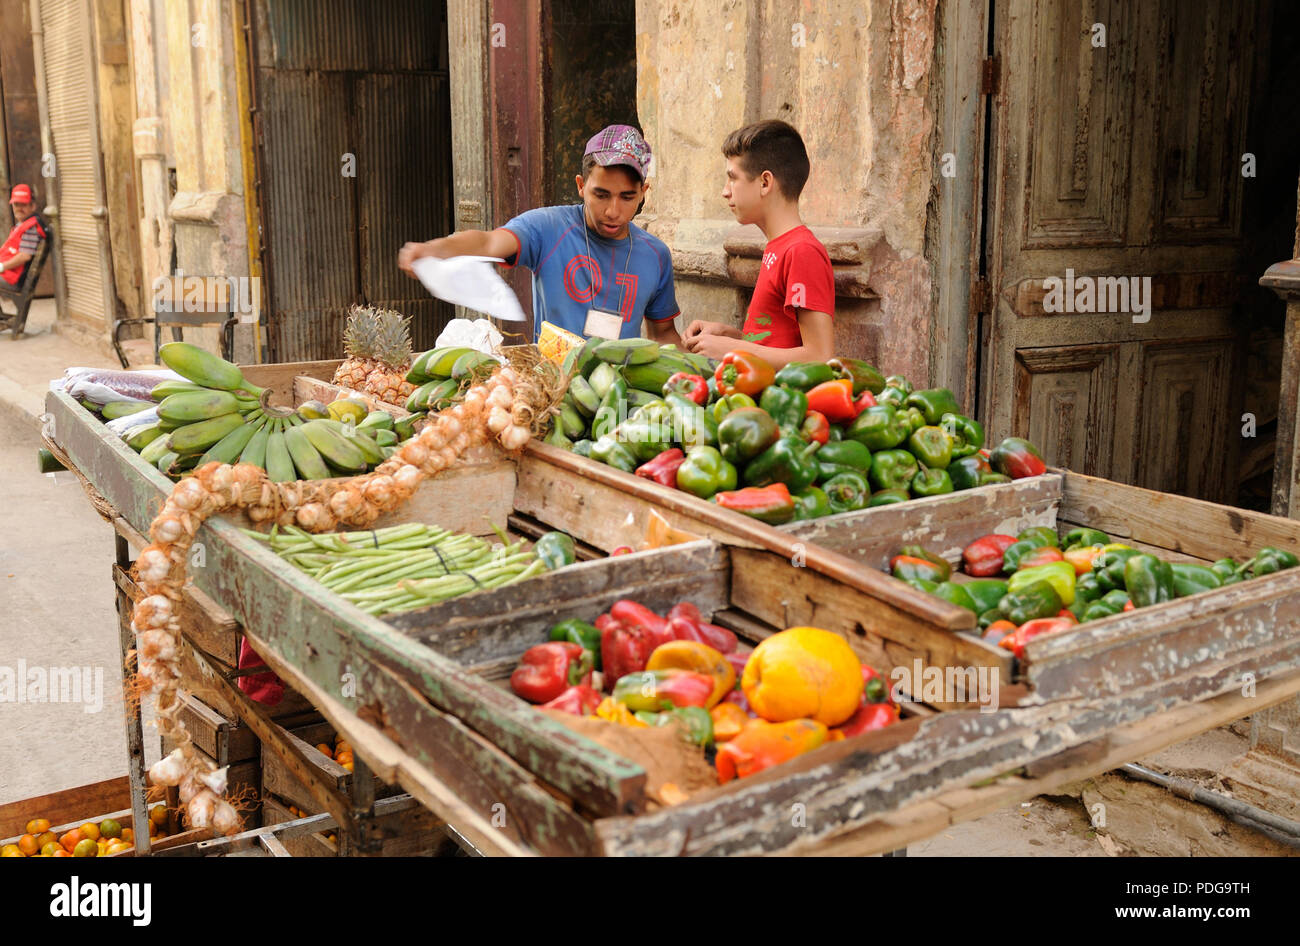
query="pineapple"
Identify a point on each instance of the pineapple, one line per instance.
(378, 348)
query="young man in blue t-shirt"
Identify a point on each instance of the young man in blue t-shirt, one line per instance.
(594, 271)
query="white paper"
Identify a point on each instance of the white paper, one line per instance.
(469, 281)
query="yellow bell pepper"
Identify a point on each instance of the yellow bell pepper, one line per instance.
(697, 658)
(615, 712)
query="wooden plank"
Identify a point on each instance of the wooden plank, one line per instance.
(944, 524)
(306, 388)
(475, 628)
(206, 624)
(596, 493)
(66, 805)
(280, 377)
(1167, 640)
(1206, 530)
(1129, 743)
(770, 589)
(314, 844)
(225, 740)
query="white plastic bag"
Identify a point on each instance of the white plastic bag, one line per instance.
(478, 334)
(469, 281)
(106, 385)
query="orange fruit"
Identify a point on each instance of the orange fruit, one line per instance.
(347, 765)
(128, 836)
(27, 844)
(324, 749)
(38, 826)
(343, 758)
(86, 848)
(50, 848)
(109, 828)
(46, 838)
(61, 853)
(11, 850)
(90, 830)
(70, 839)
(158, 815)
(803, 672)
(342, 745)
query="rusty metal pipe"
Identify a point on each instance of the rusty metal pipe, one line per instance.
(1280, 829)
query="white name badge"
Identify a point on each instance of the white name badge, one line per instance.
(603, 324)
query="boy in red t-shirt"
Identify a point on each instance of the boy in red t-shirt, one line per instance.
(789, 315)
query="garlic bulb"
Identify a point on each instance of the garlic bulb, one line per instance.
(169, 770)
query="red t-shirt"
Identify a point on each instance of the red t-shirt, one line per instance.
(795, 274)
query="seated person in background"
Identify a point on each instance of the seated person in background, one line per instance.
(24, 239)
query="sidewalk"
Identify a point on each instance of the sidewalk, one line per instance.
(28, 364)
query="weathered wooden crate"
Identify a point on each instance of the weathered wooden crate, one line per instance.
(413, 832)
(1219, 635)
(73, 807)
(278, 780)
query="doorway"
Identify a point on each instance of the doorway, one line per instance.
(1140, 177)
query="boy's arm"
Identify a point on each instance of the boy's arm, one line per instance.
(701, 327)
(17, 261)
(664, 332)
(500, 243)
(816, 328)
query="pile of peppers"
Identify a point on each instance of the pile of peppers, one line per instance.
(1037, 582)
(810, 440)
(635, 667)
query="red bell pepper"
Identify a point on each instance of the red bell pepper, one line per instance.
(815, 428)
(762, 745)
(546, 670)
(875, 688)
(1016, 641)
(1017, 458)
(578, 700)
(998, 630)
(772, 504)
(1043, 556)
(743, 372)
(834, 400)
(983, 557)
(663, 468)
(629, 634)
(868, 716)
(689, 625)
(690, 386)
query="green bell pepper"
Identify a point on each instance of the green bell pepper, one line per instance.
(655, 411)
(967, 435)
(847, 491)
(933, 403)
(922, 584)
(1267, 561)
(956, 594)
(988, 479)
(581, 633)
(878, 428)
(789, 461)
(887, 497)
(704, 472)
(837, 433)
(612, 410)
(985, 592)
(1226, 569)
(965, 471)
(644, 440)
(1109, 568)
(694, 721)
(990, 616)
(1036, 600)
(557, 437)
(1087, 587)
(892, 469)
(864, 376)
(1060, 575)
(1082, 538)
(912, 418)
(938, 561)
(1109, 604)
(1046, 533)
(803, 375)
(695, 423)
(931, 483)
(1018, 550)
(612, 453)
(847, 453)
(555, 549)
(1148, 580)
(1190, 579)
(892, 396)
(811, 503)
(745, 433)
(786, 405)
(931, 446)
(908, 567)
(583, 447)
(900, 383)
(725, 405)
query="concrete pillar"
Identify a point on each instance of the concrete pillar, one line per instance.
(854, 79)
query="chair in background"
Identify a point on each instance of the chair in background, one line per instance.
(187, 301)
(23, 293)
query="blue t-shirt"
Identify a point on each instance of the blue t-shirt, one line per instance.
(572, 274)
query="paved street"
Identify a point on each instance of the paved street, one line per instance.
(57, 601)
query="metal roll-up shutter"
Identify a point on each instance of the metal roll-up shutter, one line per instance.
(70, 90)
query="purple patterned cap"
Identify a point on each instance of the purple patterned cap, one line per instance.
(620, 144)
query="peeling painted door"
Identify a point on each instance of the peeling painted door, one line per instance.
(1116, 154)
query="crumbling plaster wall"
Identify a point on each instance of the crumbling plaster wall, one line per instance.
(854, 79)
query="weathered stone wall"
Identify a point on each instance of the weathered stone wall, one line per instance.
(854, 79)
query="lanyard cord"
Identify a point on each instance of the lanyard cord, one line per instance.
(626, 263)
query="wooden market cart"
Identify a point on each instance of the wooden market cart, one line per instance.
(424, 706)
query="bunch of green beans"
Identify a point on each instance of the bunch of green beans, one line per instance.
(401, 568)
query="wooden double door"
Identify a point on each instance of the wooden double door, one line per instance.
(1118, 140)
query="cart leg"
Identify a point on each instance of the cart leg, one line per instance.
(134, 718)
(901, 852)
(362, 836)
